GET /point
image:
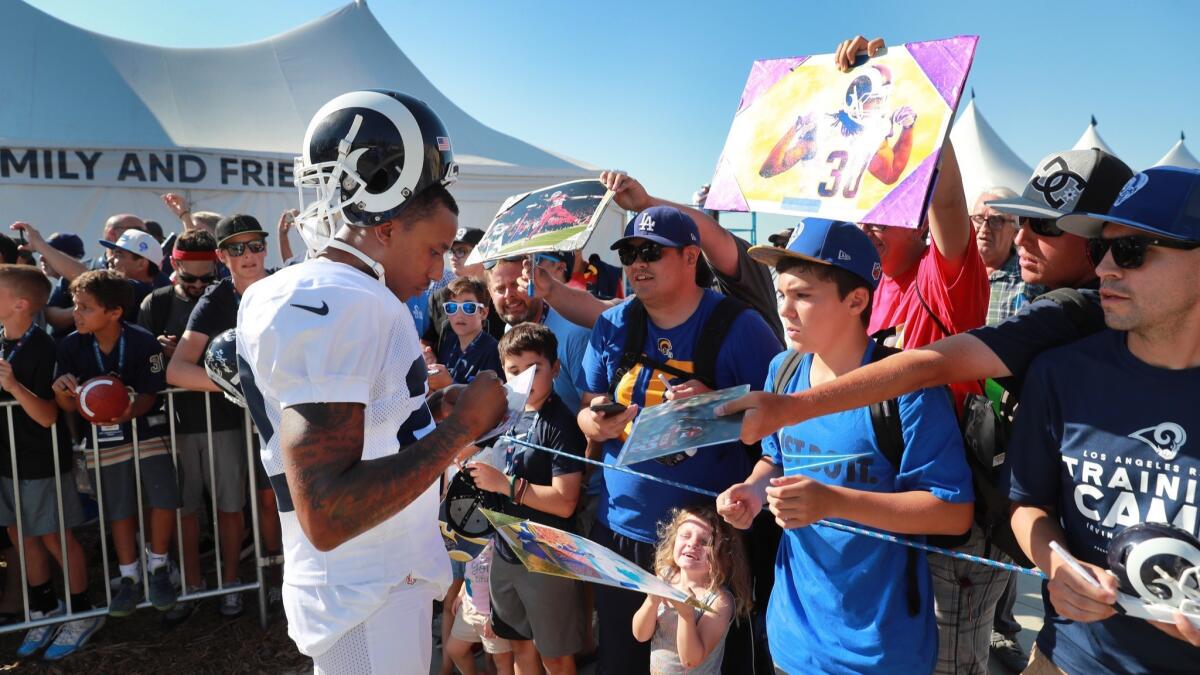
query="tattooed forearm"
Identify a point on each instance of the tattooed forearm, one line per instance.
(337, 494)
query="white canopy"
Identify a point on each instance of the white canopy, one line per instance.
(1091, 139)
(92, 125)
(1179, 155)
(984, 159)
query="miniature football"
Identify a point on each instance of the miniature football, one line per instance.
(102, 399)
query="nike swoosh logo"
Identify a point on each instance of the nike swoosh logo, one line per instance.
(319, 311)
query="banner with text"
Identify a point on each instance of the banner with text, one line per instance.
(155, 169)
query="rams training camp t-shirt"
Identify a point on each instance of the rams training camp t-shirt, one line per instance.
(632, 506)
(1107, 441)
(840, 600)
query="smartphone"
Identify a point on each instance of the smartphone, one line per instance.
(609, 409)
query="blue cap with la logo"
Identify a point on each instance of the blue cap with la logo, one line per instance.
(665, 225)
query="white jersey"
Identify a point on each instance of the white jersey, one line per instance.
(841, 160)
(322, 331)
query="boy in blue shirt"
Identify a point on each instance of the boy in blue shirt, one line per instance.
(841, 602)
(466, 349)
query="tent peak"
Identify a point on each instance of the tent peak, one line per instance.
(1093, 120)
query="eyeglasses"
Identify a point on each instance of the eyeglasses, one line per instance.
(1130, 252)
(1043, 227)
(460, 252)
(238, 248)
(993, 222)
(649, 252)
(468, 308)
(193, 278)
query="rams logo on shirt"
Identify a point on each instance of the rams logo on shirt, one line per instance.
(664, 348)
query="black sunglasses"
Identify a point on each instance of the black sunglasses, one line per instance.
(649, 252)
(238, 248)
(1042, 227)
(1130, 252)
(193, 278)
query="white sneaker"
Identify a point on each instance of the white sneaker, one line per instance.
(72, 637)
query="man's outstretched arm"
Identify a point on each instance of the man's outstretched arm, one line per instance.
(959, 358)
(339, 495)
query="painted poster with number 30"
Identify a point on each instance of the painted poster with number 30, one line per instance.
(810, 140)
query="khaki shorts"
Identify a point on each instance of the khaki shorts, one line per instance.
(1040, 664)
(468, 627)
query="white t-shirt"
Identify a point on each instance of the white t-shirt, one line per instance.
(322, 331)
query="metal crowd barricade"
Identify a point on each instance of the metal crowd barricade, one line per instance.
(98, 488)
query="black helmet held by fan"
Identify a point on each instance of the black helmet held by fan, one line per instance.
(221, 364)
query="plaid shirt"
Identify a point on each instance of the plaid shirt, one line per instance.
(1009, 293)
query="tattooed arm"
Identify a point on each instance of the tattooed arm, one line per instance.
(339, 495)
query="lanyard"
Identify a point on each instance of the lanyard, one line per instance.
(511, 451)
(120, 354)
(20, 343)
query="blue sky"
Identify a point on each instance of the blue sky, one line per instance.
(650, 87)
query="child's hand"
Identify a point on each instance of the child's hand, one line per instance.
(739, 505)
(7, 381)
(798, 501)
(66, 385)
(684, 390)
(169, 343)
(487, 629)
(683, 609)
(488, 478)
(439, 377)
(126, 416)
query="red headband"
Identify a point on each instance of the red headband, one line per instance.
(176, 254)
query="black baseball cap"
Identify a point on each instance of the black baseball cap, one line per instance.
(238, 223)
(468, 235)
(1065, 182)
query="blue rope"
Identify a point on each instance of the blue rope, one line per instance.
(823, 523)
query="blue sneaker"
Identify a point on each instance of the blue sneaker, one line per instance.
(126, 599)
(162, 592)
(39, 637)
(72, 636)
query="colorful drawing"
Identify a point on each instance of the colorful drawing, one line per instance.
(556, 218)
(810, 140)
(547, 550)
(682, 426)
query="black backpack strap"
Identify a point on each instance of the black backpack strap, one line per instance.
(712, 336)
(936, 321)
(704, 358)
(889, 436)
(787, 370)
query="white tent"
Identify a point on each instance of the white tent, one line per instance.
(1091, 139)
(984, 159)
(92, 125)
(1179, 155)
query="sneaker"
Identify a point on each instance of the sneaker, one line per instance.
(125, 600)
(231, 605)
(1008, 652)
(182, 611)
(72, 637)
(274, 597)
(39, 637)
(162, 591)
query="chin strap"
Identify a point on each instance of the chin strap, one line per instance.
(374, 265)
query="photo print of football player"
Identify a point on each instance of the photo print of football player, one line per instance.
(864, 135)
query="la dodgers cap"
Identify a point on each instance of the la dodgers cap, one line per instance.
(1076, 180)
(68, 243)
(1164, 201)
(468, 235)
(827, 242)
(139, 243)
(665, 225)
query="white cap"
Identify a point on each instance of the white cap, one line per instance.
(138, 243)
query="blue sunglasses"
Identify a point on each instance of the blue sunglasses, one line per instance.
(468, 308)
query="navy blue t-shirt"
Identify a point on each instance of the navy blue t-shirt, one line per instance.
(480, 355)
(60, 297)
(1039, 326)
(1101, 440)
(632, 506)
(553, 426)
(143, 369)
